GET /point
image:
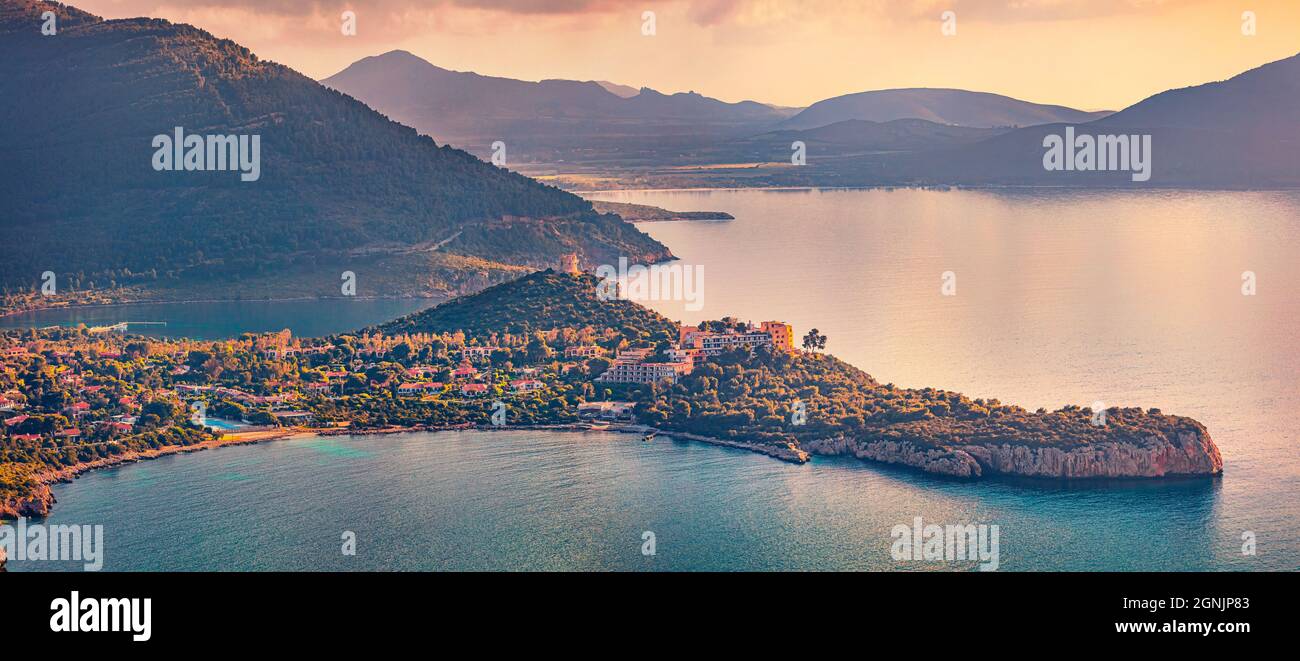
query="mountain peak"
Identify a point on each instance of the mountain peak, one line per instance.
(541, 301)
(18, 15)
(936, 104)
(338, 183)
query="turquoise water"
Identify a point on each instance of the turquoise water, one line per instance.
(216, 320)
(1127, 298)
(579, 501)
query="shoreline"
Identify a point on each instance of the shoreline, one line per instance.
(40, 503)
(200, 301)
(1191, 456)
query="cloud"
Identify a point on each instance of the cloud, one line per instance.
(372, 7)
(1017, 11)
(701, 12)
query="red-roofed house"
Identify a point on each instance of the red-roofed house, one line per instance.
(474, 389)
(419, 386)
(527, 385)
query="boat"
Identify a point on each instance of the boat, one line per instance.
(649, 437)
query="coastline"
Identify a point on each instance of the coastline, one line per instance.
(42, 501)
(200, 301)
(39, 503)
(1188, 455)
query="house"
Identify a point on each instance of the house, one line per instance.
(584, 352)
(633, 355)
(418, 386)
(477, 352)
(464, 371)
(606, 410)
(473, 389)
(776, 334)
(71, 432)
(678, 355)
(638, 372)
(77, 409)
(293, 417)
(16, 420)
(527, 385)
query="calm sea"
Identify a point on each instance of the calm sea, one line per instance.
(1122, 298)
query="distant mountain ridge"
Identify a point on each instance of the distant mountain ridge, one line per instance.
(599, 124)
(341, 186)
(472, 110)
(1240, 133)
(1243, 132)
(941, 106)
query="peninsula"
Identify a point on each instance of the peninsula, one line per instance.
(555, 355)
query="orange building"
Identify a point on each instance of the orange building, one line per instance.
(782, 334)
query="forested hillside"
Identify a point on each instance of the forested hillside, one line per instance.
(337, 179)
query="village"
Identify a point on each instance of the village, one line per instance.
(64, 389)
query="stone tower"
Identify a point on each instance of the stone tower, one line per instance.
(569, 264)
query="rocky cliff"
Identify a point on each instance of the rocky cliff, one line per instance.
(1183, 453)
(36, 503)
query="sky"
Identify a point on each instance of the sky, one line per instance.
(1087, 54)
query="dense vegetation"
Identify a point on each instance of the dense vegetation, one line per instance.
(753, 395)
(338, 180)
(545, 301)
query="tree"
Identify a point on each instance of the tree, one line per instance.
(814, 341)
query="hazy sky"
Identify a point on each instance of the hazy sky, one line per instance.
(1089, 54)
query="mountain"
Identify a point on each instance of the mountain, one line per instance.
(1265, 99)
(942, 106)
(624, 91)
(1240, 133)
(550, 120)
(865, 135)
(339, 186)
(540, 301)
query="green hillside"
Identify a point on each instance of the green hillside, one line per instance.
(338, 181)
(541, 301)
